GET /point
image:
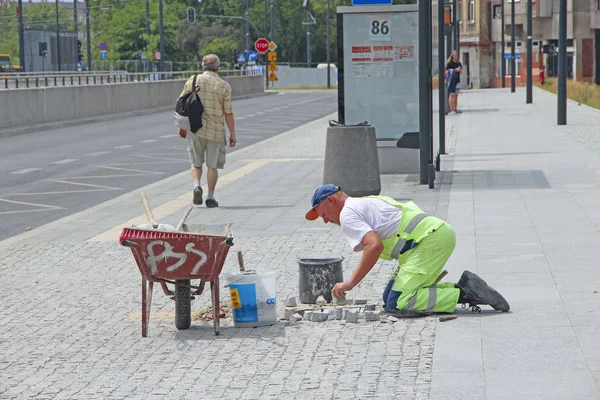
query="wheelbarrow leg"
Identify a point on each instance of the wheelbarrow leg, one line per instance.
(214, 289)
(146, 303)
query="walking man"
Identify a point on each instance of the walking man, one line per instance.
(208, 144)
(381, 227)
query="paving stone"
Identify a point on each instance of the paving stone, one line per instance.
(336, 313)
(371, 315)
(290, 302)
(369, 307)
(296, 317)
(351, 316)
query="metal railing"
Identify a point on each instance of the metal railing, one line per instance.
(31, 80)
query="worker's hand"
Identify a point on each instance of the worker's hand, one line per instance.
(232, 140)
(182, 132)
(340, 289)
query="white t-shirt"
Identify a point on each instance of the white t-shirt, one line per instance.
(362, 215)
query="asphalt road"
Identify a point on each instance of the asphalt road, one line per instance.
(52, 174)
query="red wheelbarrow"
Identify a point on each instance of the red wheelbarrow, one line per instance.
(176, 258)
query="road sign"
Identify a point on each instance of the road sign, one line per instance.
(272, 66)
(262, 45)
(79, 64)
(272, 77)
(272, 56)
(241, 59)
(370, 2)
(518, 56)
(103, 55)
(102, 46)
(252, 56)
(272, 46)
(157, 55)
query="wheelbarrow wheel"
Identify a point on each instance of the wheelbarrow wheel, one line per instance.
(183, 304)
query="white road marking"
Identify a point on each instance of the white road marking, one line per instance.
(148, 141)
(44, 207)
(126, 146)
(132, 170)
(25, 171)
(60, 192)
(168, 136)
(82, 184)
(65, 161)
(98, 153)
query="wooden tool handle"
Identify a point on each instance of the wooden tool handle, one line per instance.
(182, 221)
(149, 215)
(441, 276)
(241, 261)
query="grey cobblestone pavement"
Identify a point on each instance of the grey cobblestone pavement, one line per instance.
(514, 186)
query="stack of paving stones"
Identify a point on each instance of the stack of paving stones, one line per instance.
(346, 311)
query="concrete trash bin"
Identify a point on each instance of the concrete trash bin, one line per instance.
(351, 160)
(317, 277)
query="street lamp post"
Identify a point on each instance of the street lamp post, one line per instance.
(57, 38)
(21, 38)
(562, 63)
(503, 67)
(161, 46)
(328, 48)
(529, 95)
(87, 35)
(512, 47)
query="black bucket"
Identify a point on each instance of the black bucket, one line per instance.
(317, 278)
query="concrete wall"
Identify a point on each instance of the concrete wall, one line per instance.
(298, 77)
(31, 106)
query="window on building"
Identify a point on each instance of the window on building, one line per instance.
(517, 67)
(498, 11)
(471, 11)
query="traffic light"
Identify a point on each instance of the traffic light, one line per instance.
(191, 15)
(79, 53)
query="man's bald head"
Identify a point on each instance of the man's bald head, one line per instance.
(211, 62)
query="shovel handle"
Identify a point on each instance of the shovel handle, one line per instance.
(241, 261)
(441, 276)
(149, 215)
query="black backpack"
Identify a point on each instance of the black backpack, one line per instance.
(190, 106)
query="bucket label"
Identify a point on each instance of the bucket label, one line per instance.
(247, 310)
(235, 298)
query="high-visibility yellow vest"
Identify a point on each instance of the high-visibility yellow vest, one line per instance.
(415, 225)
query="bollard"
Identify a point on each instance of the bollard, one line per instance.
(351, 160)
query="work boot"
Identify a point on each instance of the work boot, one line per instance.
(478, 292)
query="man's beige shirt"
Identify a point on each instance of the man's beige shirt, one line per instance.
(215, 94)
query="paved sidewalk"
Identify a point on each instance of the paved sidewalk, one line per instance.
(521, 193)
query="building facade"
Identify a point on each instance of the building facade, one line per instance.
(480, 24)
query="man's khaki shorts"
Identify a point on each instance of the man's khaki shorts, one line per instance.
(214, 151)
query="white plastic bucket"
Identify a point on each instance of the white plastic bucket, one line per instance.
(253, 300)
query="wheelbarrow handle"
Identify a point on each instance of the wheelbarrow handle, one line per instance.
(128, 243)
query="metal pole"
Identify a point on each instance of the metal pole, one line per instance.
(87, 34)
(328, 47)
(503, 66)
(272, 38)
(57, 38)
(529, 98)
(21, 38)
(308, 23)
(441, 86)
(248, 27)
(75, 26)
(512, 47)
(562, 63)
(424, 116)
(161, 47)
(456, 25)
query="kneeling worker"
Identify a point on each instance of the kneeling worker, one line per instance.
(381, 227)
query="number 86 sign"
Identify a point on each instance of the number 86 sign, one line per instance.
(380, 29)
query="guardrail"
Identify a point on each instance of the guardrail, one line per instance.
(29, 79)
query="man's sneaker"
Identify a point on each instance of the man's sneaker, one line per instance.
(197, 199)
(211, 203)
(478, 292)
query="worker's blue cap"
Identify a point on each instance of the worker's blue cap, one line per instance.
(318, 197)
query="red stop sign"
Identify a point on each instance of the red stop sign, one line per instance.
(262, 45)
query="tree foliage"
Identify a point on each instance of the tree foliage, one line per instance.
(122, 25)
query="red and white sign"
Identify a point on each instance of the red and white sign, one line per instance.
(383, 53)
(361, 53)
(262, 45)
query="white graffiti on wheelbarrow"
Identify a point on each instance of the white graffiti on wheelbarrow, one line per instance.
(190, 248)
(153, 259)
